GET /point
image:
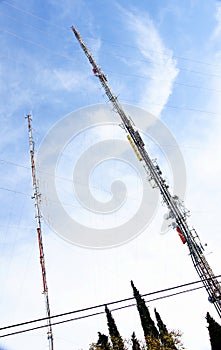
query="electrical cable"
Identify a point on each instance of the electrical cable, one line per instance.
(165, 107)
(178, 67)
(103, 40)
(35, 16)
(176, 107)
(101, 305)
(161, 81)
(36, 44)
(162, 52)
(118, 73)
(163, 297)
(115, 73)
(13, 191)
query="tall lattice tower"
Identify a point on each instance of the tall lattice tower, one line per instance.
(176, 209)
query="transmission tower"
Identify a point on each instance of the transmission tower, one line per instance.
(36, 197)
(176, 209)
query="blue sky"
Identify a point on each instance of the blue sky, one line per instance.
(162, 56)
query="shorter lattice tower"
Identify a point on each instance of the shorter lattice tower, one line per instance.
(36, 197)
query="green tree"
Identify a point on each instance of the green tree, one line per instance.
(153, 343)
(115, 336)
(147, 323)
(103, 343)
(166, 338)
(214, 332)
(135, 342)
(156, 344)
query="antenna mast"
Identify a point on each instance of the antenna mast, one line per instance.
(36, 197)
(176, 209)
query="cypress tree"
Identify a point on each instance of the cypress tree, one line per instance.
(147, 323)
(214, 332)
(115, 336)
(135, 342)
(165, 337)
(103, 343)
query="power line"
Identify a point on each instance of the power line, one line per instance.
(13, 163)
(35, 44)
(97, 313)
(163, 52)
(99, 306)
(175, 83)
(191, 109)
(103, 40)
(26, 24)
(13, 191)
(159, 298)
(69, 58)
(34, 15)
(178, 67)
(161, 81)
(53, 324)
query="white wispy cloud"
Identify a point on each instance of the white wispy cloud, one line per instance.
(66, 7)
(217, 30)
(64, 79)
(160, 67)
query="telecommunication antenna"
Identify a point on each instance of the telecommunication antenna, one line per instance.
(36, 197)
(176, 209)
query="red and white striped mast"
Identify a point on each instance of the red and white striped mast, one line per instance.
(36, 197)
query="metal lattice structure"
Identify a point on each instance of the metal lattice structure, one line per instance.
(177, 211)
(36, 197)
